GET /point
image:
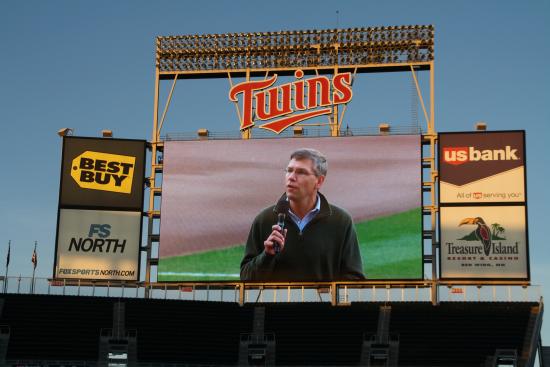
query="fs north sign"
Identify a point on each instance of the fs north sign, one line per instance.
(288, 104)
(102, 173)
(98, 244)
(482, 167)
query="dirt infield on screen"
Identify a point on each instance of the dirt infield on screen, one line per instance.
(391, 248)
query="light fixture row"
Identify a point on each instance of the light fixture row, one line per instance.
(290, 59)
(378, 45)
(288, 38)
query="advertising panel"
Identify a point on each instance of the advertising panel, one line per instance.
(484, 242)
(102, 173)
(482, 167)
(98, 244)
(290, 103)
(213, 190)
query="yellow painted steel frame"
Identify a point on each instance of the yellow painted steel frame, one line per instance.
(335, 123)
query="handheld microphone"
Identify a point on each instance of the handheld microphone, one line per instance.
(281, 209)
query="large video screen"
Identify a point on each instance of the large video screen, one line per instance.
(212, 191)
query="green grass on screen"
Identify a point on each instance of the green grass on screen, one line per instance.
(390, 248)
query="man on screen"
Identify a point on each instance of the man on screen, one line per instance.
(318, 242)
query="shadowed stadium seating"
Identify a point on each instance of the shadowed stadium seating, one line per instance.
(208, 333)
(319, 334)
(194, 332)
(457, 334)
(49, 327)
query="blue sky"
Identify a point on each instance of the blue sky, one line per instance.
(90, 66)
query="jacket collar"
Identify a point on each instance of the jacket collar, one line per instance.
(325, 211)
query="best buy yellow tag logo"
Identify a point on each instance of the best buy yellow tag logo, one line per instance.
(104, 171)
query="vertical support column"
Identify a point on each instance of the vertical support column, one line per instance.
(334, 294)
(246, 133)
(154, 147)
(334, 130)
(429, 162)
(242, 291)
(434, 177)
(431, 126)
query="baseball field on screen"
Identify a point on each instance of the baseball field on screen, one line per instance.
(390, 249)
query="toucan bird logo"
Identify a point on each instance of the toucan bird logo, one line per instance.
(482, 232)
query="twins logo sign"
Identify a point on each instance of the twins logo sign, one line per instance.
(288, 104)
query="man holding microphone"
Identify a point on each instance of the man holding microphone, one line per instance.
(318, 241)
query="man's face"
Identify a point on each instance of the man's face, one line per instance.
(300, 181)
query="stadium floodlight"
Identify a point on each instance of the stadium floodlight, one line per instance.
(66, 131)
(202, 133)
(298, 130)
(373, 45)
(481, 126)
(383, 128)
(107, 133)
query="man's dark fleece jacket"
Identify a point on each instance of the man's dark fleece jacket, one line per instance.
(326, 249)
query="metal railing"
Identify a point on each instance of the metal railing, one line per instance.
(311, 132)
(336, 293)
(84, 363)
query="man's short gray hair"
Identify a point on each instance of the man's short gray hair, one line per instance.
(320, 165)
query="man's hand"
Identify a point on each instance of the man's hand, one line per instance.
(276, 237)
